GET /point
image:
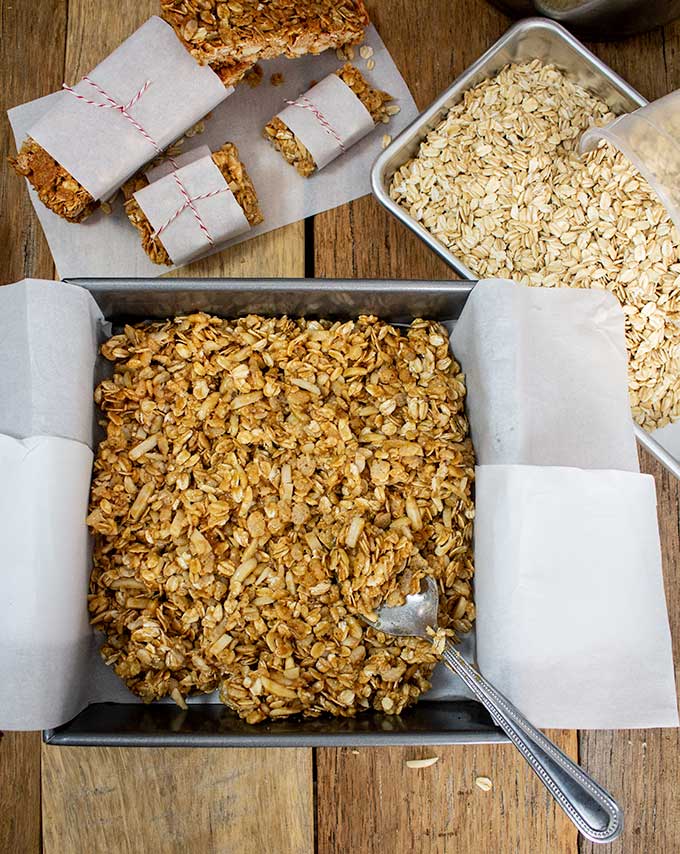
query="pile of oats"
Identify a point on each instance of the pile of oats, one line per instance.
(500, 183)
(265, 482)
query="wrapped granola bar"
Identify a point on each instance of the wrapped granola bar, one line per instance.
(329, 118)
(185, 211)
(235, 35)
(124, 112)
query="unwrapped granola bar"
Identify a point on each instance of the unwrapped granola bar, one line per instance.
(294, 150)
(236, 34)
(234, 172)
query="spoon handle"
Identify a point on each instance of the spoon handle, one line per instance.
(592, 809)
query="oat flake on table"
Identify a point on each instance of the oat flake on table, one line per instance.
(501, 184)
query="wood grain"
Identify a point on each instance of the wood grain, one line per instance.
(174, 801)
(438, 809)
(25, 26)
(130, 800)
(642, 767)
(20, 792)
(23, 252)
(431, 45)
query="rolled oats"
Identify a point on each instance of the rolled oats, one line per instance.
(500, 183)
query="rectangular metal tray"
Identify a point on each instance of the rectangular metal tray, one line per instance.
(429, 721)
(532, 38)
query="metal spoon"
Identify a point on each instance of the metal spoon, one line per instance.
(593, 810)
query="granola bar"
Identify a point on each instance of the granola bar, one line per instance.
(292, 148)
(57, 189)
(228, 162)
(240, 31)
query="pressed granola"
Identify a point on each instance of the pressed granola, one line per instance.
(245, 31)
(229, 163)
(57, 189)
(262, 484)
(295, 152)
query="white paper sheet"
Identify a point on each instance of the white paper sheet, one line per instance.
(109, 246)
(217, 217)
(571, 616)
(48, 352)
(546, 377)
(100, 146)
(45, 637)
(345, 119)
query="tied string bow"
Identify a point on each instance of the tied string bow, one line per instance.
(124, 110)
(305, 104)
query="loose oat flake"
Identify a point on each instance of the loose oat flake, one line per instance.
(264, 483)
(500, 183)
(483, 783)
(422, 763)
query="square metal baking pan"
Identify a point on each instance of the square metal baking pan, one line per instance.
(431, 721)
(532, 38)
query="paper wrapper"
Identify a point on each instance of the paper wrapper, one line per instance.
(571, 616)
(546, 377)
(328, 119)
(102, 148)
(208, 217)
(169, 164)
(48, 692)
(108, 246)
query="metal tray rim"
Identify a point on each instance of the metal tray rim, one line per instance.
(71, 734)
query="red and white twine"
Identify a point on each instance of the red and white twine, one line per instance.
(305, 104)
(189, 203)
(112, 104)
(124, 110)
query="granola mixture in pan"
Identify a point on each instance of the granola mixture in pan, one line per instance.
(244, 31)
(228, 162)
(57, 189)
(284, 140)
(262, 484)
(501, 183)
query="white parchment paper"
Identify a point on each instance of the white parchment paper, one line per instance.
(45, 636)
(109, 246)
(346, 120)
(99, 146)
(48, 351)
(571, 617)
(600, 526)
(546, 377)
(184, 237)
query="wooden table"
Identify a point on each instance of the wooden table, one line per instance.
(295, 801)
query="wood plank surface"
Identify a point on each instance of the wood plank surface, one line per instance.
(438, 809)
(25, 27)
(20, 792)
(368, 801)
(23, 252)
(642, 767)
(177, 800)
